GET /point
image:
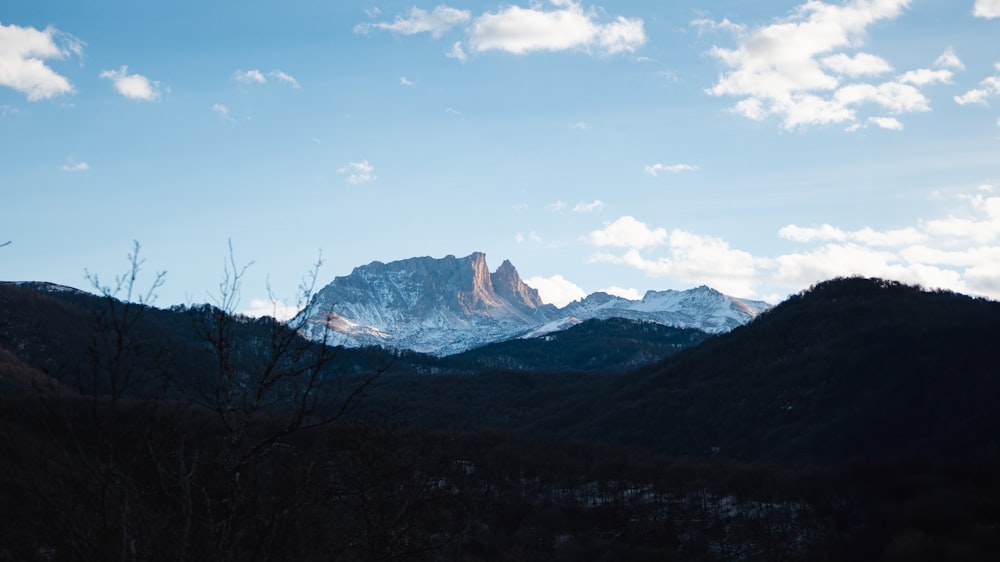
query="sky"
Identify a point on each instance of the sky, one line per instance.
(754, 147)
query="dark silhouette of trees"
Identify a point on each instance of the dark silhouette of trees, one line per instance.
(138, 443)
(133, 433)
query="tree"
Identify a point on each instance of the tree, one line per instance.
(135, 459)
(263, 394)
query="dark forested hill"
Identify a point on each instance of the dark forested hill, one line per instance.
(598, 345)
(856, 421)
(853, 368)
(69, 334)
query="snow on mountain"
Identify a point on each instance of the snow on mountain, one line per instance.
(554, 326)
(703, 308)
(438, 306)
(448, 305)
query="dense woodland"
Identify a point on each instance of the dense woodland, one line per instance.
(856, 421)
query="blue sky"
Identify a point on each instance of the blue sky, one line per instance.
(756, 147)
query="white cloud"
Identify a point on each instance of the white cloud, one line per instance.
(282, 77)
(565, 25)
(275, 309)
(255, 76)
(925, 76)
(833, 260)
(457, 52)
(896, 97)
(868, 236)
(76, 167)
(889, 123)
(250, 77)
(861, 64)
(133, 86)
(568, 26)
(404, 81)
(808, 234)
(655, 169)
(989, 87)
(949, 59)
(987, 9)
(556, 290)
(981, 224)
(695, 258)
(627, 232)
(579, 125)
(442, 19)
(593, 206)
(796, 68)
(23, 52)
(358, 172)
(223, 111)
(556, 207)
(704, 25)
(630, 294)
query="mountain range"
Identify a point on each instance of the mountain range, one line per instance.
(450, 305)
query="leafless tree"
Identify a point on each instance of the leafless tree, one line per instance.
(159, 468)
(263, 394)
(89, 421)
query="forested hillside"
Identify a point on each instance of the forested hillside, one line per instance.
(854, 421)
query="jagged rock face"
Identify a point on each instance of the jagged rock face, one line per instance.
(448, 305)
(508, 285)
(438, 306)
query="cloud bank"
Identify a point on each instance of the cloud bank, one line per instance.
(959, 252)
(807, 69)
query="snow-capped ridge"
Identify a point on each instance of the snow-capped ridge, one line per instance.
(448, 305)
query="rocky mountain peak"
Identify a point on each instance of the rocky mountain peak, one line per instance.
(508, 285)
(479, 293)
(447, 305)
